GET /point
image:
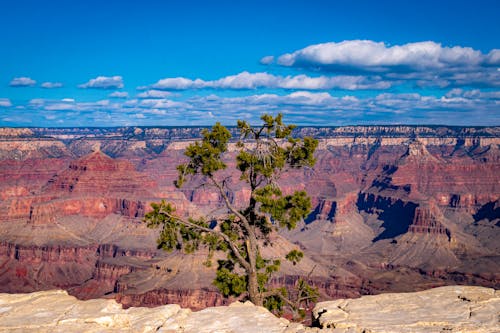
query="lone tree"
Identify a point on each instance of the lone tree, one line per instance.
(264, 153)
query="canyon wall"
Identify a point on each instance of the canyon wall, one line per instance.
(395, 208)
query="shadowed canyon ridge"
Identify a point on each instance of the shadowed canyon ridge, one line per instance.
(395, 208)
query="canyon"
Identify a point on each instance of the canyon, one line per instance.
(395, 209)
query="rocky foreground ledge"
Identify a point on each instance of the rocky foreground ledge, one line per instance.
(445, 309)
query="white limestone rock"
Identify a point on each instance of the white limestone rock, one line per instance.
(445, 309)
(56, 311)
(237, 317)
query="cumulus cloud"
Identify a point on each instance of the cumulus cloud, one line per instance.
(456, 106)
(22, 82)
(5, 102)
(428, 63)
(346, 82)
(377, 56)
(104, 82)
(119, 94)
(493, 57)
(267, 60)
(179, 83)
(246, 80)
(59, 106)
(51, 85)
(325, 109)
(473, 94)
(154, 94)
(161, 104)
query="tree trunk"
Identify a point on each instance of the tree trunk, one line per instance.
(253, 288)
(253, 283)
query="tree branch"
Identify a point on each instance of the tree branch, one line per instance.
(277, 292)
(226, 238)
(233, 210)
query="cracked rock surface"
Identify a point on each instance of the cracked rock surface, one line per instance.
(56, 311)
(445, 309)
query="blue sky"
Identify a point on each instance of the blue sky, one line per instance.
(114, 63)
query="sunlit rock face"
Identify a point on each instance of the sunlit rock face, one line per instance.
(452, 308)
(394, 208)
(56, 311)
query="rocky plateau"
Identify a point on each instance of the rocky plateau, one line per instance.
(445, 309)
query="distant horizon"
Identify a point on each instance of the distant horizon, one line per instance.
(234, 126)
(192, 63)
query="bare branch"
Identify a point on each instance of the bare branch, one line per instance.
(242, 218)
(226, 238)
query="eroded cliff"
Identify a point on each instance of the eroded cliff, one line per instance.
(395, 208)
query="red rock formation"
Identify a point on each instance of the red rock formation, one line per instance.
(426, 221)
(28, 268)
(325, 210)
(195, 299)
(48, 212)
(32, 254)
(99, 173)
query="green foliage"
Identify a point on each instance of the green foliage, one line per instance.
(263, 154)
(229, 283)
(275, 303)
(174, 234)
(294, 256)
(301, 154)
(287, 210)
(161, 215)
(266, 269)
(205, 156)
(307, 291)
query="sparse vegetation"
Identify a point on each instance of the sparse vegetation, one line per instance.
(263, 154)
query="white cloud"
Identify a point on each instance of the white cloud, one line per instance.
(154, 94)
(22, 82)
(178, 83)
(119, 94)
(68, 100)
(246, 80)
(162, 104)
(5, 102)
(325, 109)
(458, 106)
(104, 82)
(59, 106)
(427, 64)
(51, 85)
(377, 56)
(37, 101)
(493, 57)
(267, 60)
(347, 82)
(473, 94)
